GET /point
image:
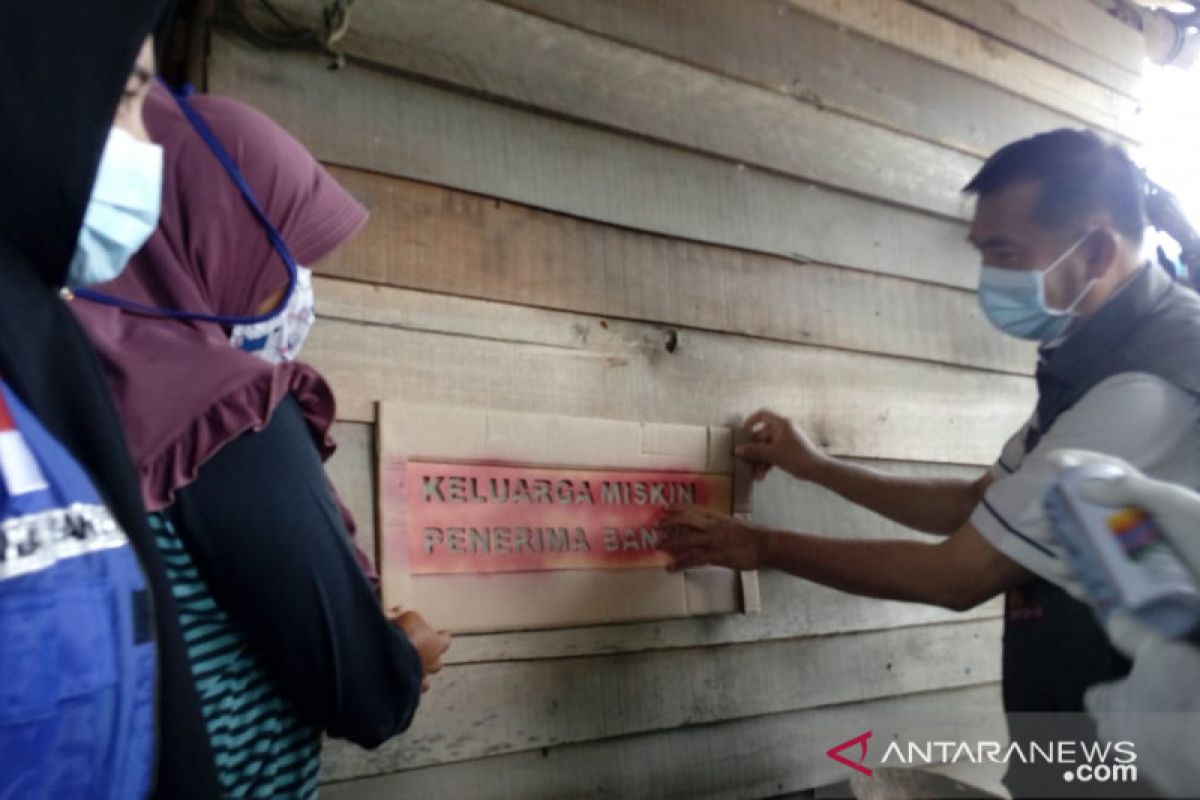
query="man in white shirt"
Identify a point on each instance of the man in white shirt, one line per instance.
(1058, 224)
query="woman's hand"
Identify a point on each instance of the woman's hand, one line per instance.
(431, 645)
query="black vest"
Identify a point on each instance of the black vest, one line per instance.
(1054, 648)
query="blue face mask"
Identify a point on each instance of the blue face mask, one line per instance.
(122, 212)
(1015, 300)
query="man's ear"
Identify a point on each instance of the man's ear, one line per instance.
(1102, 251)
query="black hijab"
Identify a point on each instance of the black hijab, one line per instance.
(63, 67)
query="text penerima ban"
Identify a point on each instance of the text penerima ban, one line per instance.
(504, 540)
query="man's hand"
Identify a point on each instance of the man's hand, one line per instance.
(1164, 211)
(1175, 509)
(1157, 704)
(772, 441)
(698, 536)
(430, 644)
(1176, 512)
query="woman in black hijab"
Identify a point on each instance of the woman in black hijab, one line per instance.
(63, 66)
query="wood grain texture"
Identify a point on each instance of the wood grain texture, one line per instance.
(389, 124)
(531, 61)
(426, 348)
(939, 39)
(1004, 20)
(510, 707)
(761, 757)
(771, 44)
(592, 323)
(351, 469)
(430, 238)
(1089, 26)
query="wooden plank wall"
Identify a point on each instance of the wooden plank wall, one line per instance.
(679, 211)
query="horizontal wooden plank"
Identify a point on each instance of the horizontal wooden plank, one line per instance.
(1089, 26)
(365, 118)
(770, 44)
(470, 352)
(508, 707)
(791, 607)
(525, 59)
(427, 237)
(1005, 22)
(467, 605)
(939, 39)
(758, 757)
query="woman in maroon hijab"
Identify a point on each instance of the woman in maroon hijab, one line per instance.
(284, 631)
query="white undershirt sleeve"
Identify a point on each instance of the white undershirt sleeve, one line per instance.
(1134, 416)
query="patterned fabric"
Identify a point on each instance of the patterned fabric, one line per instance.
(279, 339)
(262, 746)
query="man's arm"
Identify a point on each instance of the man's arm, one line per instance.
(958, 573)
(932, 505)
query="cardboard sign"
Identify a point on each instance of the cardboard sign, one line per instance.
(482, 518)
(497, 520)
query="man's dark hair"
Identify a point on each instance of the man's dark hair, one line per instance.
(1080, 174)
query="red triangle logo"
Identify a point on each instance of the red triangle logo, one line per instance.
(6, 420)
(835, 753)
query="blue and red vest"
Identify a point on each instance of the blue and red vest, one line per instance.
(77, 656)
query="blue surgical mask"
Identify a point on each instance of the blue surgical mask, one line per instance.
(122, 212)
(1015, 300)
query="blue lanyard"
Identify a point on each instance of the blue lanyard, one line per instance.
(210, 139)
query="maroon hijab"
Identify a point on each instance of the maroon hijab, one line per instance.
(181, 389)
